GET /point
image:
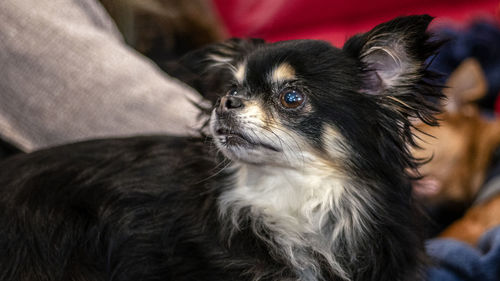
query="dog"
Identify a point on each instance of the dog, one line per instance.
(305, 175)
(464, 150)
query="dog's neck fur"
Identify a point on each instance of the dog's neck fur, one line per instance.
(313, 211)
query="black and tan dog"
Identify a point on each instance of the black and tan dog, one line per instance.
(312, 182)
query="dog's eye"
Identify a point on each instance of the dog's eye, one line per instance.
(291, 98)
(232, 92)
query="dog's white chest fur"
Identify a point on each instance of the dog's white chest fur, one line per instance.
(295, 205)
(294, 199)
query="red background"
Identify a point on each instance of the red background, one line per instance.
(336, 20)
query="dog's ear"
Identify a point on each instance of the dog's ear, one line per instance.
(393, 59)
(465, 85)
(227, 53)
(208, 69)
(392, 53)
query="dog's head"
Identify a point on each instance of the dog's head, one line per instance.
(290, 102)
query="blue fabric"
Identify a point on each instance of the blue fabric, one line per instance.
(457, 261)
(480, 40)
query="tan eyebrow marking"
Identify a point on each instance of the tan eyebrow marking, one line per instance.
(240, 72)
(283, 72)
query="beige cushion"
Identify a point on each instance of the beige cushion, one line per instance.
(66, 75)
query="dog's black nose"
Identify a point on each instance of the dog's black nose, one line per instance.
(230, 102)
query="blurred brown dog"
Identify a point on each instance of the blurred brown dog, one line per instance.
(462, 150)
(164, 30)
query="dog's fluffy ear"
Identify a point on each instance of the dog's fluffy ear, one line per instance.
(223, 54)
(228, 53)
(392, 52)
(208, 69)
(393, 59)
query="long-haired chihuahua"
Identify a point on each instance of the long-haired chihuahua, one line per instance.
(310, 178)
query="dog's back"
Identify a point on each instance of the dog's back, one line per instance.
(115, 209)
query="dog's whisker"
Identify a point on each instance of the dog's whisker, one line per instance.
(281, 145)
(226, 165)
(298, 148)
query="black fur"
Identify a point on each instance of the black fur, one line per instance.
(146, 208)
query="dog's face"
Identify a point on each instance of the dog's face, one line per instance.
(279, 107)
(291, 102)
